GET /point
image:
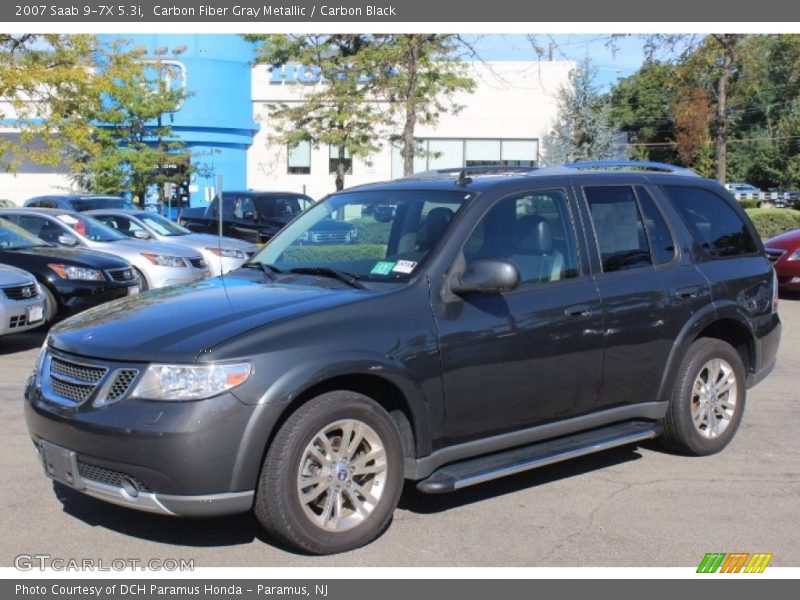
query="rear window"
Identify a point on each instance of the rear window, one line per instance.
(714, 224)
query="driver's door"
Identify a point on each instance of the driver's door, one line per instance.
(529, 356)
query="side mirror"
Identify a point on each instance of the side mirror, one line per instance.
(485, 276)
(249, 216)
(141, 234)
(67, 240)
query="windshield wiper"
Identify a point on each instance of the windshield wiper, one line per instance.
(269, 270)
(342, 276)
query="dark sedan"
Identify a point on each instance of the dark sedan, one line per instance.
(72, 279)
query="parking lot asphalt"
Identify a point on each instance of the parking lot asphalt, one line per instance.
(634, 506)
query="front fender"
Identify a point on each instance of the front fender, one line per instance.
(301, 378)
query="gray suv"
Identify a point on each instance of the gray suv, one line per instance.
(492, 321)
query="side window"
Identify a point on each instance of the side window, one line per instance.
(661, 243)
(532, 230)
(243, 206)
(714, 224)
(619, 228)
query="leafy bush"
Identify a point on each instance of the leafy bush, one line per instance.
(748, 203)
(371, 231)
(319, 255)
(770, 222)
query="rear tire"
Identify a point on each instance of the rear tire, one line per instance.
(322, 495)
(708, 399)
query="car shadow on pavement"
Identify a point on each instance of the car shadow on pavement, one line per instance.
(418, 502)
(244, 529)
(789, 295)
(219, 532)
(20, 342)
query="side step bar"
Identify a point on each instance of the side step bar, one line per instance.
(493, 466)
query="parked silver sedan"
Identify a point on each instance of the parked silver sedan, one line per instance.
(222, 254)
(21, 301)
(157, 264)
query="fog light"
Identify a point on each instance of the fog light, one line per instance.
(129, 487)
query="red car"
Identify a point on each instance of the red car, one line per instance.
(784, 252)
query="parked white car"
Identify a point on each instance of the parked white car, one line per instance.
(157, 264)
(21, 301)
(222, 254)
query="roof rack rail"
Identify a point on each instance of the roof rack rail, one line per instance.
(463, 172)
(610, 165)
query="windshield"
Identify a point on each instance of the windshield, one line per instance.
(81, 204)
(379, 236)
(16, 238)
(90, 228)
(162, 225)
(276, 207)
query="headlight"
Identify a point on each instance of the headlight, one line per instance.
(190, 382)
(227, 252)
(794, 255)
(354, 234)
(164, 260)
(72, 272)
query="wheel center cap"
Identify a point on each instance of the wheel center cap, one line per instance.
(341, 471)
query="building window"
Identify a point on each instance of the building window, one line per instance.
(333, 160)
(454, 153)
(299, 159)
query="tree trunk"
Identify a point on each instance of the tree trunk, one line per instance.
(341, 169)
(721, 126)
(411, 109)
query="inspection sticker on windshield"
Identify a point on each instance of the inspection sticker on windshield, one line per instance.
(404, 266)
(382, 268)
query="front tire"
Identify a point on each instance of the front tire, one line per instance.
(708, 399)
(332, 476)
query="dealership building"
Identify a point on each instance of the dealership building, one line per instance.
(225, 121)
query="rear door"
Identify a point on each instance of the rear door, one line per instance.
(648, 287)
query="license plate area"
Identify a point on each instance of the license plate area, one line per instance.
(60, 464)
(35, 313)
(133, 290)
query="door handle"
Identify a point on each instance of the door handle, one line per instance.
(688, 293)
(579, 311)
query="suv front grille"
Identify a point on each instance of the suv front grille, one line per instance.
(330, 237)
(72, 382)
(21, 292)
(82, 373)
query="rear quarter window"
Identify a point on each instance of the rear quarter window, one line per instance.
(715, 225)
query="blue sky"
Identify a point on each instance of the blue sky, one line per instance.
(611, 65)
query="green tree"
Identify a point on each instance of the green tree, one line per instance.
(338, 113)
(583, 128)
(418, 75)
(132, 145)
(47, 83)
(640, 107)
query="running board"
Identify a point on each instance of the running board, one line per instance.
(485, 468)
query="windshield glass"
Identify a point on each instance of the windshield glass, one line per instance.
(81, 204)
(162, 225)
(276, 207)
(15, 238)
(379, 236)
(90, 228)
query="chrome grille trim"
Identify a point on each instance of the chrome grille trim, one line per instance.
(123, 274)
(21, 292)
(74, 382)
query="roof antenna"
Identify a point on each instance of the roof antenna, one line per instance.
(463, 180)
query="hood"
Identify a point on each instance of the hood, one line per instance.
(38, 257)
(177, 323)
(131, 247)
(206, 240)
(788, 240)
(13, 276)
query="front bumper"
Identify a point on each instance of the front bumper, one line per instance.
(75, 296)
(14, 315)
(179, 458)
(165, 276)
